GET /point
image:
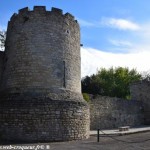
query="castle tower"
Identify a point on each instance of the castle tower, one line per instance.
(41, 86)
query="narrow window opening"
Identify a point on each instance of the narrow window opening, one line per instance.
(64, 78)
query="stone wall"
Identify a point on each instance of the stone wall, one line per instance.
(108, 113)
(26, 118)
(141, 91)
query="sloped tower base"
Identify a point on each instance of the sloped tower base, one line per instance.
(26, 118)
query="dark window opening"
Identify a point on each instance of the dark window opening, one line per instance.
(64, 78)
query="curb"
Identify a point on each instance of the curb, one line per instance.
(120, 133)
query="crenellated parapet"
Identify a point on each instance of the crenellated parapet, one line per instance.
(25, 12)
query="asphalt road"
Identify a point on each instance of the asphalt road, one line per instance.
(138, 141)
(141, 141)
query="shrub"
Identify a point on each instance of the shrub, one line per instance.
(86, 97)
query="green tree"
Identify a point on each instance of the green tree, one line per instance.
(111, 82)
(91, 85)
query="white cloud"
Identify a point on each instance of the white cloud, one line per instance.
(120, 43)
(85, 23)
(93, 59)
(134, 49)
(144, 33)
(134, 42)
(121, 24)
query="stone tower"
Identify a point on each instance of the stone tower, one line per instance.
(40, 86)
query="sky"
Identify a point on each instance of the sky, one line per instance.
(113, 32)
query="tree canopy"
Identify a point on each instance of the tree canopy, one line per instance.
(112, 82)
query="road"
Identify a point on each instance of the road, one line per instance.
(138, 141)
(141, 141)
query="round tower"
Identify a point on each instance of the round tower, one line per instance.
(42, 52)
(41, 83)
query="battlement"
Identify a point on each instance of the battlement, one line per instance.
(24, 10)
(42, 10)
(57, 10)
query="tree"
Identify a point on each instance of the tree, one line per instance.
(91, 85)
(2, 40)
(113, 82)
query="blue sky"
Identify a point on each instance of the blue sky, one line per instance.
(113, 32)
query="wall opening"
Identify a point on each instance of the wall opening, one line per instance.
(64, 70)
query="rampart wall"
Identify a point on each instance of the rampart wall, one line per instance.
(109, 113)
(141, 91)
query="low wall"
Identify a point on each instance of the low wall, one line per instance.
(108, 113)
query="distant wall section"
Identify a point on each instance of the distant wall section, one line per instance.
(108, 112)
(141, 91)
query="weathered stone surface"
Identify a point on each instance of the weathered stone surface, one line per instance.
(109, 112)
(42, 52)
(40, 90)
(39, 119)
(141, 92)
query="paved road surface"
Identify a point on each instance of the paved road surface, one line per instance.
(106, 143)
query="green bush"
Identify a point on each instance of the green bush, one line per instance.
(113, 82)
(86, 97)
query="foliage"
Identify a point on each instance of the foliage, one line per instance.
(2, 40)
(86, 97)
(113, 82)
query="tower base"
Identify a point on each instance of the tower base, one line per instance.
(26, 118)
